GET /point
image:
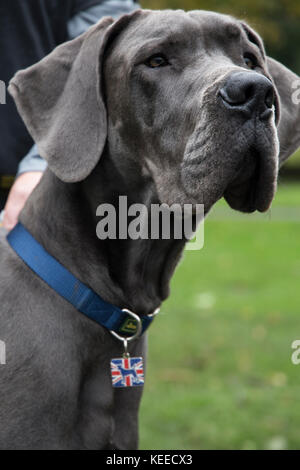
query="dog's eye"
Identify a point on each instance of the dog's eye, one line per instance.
(251, 61)
(156, 61)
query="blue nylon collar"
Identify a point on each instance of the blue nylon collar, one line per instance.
(69, 287)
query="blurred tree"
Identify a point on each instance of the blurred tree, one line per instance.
(277, 21)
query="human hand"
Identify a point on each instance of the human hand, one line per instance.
(18, 195)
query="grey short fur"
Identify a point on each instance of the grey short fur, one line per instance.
(109, 125)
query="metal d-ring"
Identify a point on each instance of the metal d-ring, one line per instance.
(156, 312)
(127, 339)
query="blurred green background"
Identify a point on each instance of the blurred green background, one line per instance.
(219, 373)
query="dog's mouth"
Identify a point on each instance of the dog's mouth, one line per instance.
(255, 184)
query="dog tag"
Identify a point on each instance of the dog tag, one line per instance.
(127, 371)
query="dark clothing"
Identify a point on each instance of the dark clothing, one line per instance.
(3, 198)
(29, 30)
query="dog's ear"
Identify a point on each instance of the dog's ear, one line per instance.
(288, 87)
(60, 100)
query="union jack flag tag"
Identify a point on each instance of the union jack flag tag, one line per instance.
(127, 372)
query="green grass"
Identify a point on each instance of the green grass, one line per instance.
(288, 195)
(294, 161)
(219, 372)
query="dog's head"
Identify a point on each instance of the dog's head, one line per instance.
(190, 99)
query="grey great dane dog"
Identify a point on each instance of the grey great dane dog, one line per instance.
(161, 106)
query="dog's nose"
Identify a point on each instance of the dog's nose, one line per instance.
(249, 93)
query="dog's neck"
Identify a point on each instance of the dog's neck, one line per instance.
(132, 274)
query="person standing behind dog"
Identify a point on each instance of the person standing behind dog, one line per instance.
(29, 30)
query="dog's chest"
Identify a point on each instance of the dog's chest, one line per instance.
(107, 416)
